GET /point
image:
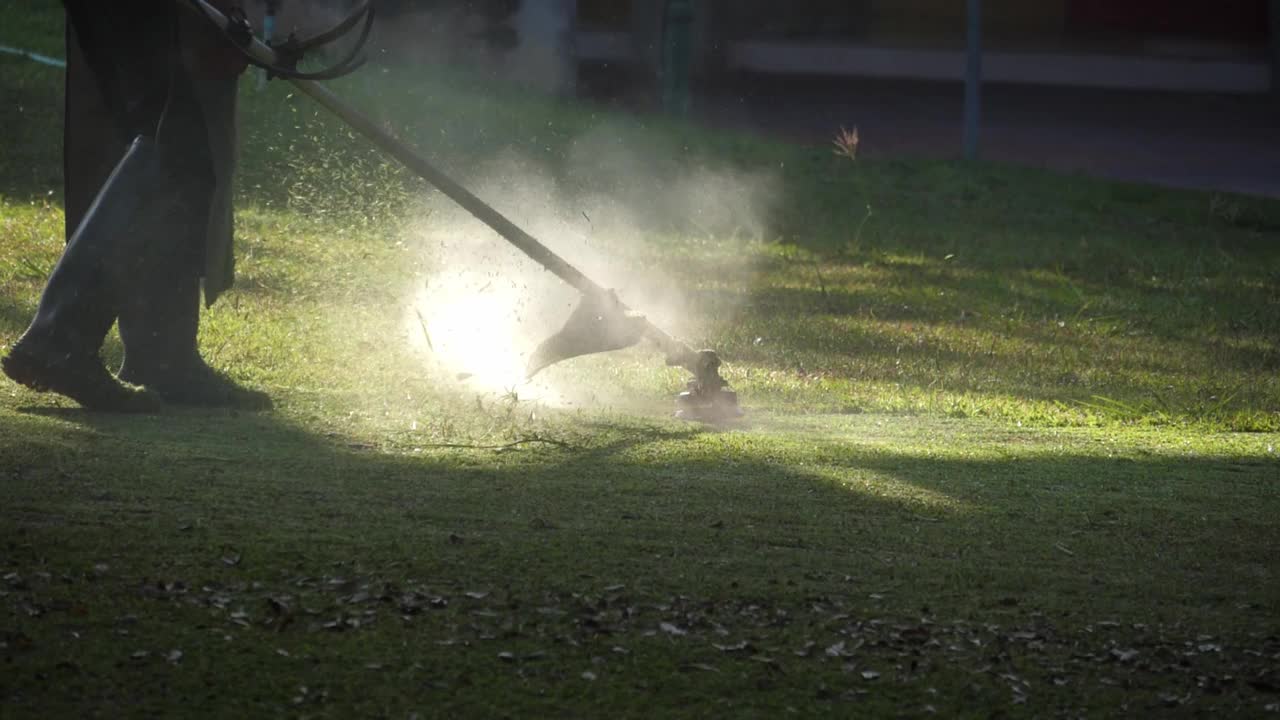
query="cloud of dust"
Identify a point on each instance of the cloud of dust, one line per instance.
(478, 316)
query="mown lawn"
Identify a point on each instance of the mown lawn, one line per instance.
(1010, 444)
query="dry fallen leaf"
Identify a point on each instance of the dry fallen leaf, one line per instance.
(671, 629)
(1124, 656)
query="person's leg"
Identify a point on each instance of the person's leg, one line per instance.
(160, 316)
(160, 310)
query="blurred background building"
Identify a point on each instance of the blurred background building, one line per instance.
(1183, 92)
(1220, 46)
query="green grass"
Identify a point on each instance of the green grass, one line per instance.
(1010, 443)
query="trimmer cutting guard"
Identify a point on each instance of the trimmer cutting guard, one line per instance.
(600, 323)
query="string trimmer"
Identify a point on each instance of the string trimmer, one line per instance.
(600, 323)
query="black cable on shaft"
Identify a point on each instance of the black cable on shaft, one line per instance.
(293, 49)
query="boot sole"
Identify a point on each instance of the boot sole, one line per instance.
(31, 373)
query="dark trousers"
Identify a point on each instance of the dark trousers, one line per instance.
(139, 178)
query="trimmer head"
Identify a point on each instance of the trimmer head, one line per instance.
(602, 323)
(707, 397)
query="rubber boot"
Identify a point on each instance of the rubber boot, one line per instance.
(159, 324)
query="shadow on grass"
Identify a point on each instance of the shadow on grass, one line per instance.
(1061, 532)
(723, 534)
